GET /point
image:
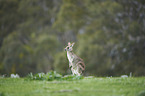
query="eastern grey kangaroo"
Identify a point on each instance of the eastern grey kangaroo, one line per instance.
(75, 63)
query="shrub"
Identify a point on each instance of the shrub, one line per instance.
(52, 75)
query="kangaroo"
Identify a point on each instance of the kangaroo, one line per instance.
(75, 63)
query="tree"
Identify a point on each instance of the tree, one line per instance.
(108, 35)
(9, 17)
(32, 45)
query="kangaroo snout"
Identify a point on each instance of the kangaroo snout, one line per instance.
(64, 49)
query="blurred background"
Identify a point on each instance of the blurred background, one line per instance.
(109, 36)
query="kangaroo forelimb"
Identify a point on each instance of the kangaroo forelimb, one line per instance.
(82, 64)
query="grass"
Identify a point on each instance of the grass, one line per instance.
(115, 86)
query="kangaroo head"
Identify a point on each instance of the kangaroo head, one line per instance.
(69, 47)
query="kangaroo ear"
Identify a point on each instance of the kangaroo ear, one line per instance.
(69, 44)
(72, 44)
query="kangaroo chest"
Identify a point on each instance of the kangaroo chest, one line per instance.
(70, 56)
(72, 59)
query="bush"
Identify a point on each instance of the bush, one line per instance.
(53, 75)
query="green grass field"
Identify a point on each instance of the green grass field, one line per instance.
(115, 86)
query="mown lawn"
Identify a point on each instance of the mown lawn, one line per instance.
(115, 86)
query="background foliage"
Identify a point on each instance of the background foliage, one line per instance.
(109, 36)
